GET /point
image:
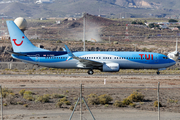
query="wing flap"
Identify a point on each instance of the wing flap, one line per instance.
(88, 63)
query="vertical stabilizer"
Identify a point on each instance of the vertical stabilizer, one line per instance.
(19, 41)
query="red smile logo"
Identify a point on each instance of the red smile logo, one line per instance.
(17, 43)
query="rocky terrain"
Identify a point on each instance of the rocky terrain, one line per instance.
(74, 8)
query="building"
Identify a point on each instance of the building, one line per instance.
(43, 1)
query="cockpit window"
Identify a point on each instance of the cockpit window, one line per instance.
(165, 57)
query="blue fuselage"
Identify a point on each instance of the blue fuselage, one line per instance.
(126, 60)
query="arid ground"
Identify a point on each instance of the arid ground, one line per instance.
(118, 87)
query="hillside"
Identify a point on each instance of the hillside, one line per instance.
(110, 8)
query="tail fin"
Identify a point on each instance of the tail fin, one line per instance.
(19, 41)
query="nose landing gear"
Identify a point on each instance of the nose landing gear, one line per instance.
(90, 72)
(158, 72)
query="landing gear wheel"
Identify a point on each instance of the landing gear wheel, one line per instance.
(90, 72)
(158, 72)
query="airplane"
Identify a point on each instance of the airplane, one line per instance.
(106, 61)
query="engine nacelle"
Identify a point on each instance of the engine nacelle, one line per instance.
(110, 67)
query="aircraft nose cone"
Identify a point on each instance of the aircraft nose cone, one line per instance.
(173, 62)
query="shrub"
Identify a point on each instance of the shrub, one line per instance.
(67, 103)
(133, 22)
(6, 92)
(173, 20)
(25, 105)
(5, 104)
(54, 95)
(29, 97)
(105, 99)
(156, 104)
(75, 98)
(77, 103)
(28, 93)
(118, 104)
(63, 99)
(172, 101)
(48, 96)
(115, 42)
(126, 101)
(132, 104)
(10, 98)
(71, 108)
(67, 91)
(106, 105)
(20, 103)
(93, 99)
(43, 99)
(59, 104)
(58, 41)
(21, 92)
(136, 97)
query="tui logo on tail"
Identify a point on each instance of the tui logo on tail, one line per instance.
(17, 43)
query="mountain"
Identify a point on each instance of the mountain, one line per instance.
(75, 8)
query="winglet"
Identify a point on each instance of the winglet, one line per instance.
(64, 49)
(69, 51)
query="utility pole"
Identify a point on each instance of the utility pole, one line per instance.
(127, 35)
(84, 29)
(109, 39)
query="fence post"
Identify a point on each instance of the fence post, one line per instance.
(1, 103)
(158, 101)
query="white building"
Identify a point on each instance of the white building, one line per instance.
(43, 1)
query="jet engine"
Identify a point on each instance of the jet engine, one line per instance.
(110, 67)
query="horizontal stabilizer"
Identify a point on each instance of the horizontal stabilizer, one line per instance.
(14, 53)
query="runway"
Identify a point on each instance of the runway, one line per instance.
(89, 81)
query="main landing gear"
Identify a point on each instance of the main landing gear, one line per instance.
(90, 72)
(158, 72)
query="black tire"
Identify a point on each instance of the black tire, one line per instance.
(90, 72)
(158, 72)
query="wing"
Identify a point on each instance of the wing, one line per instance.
(88, 63)
(83, 62)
